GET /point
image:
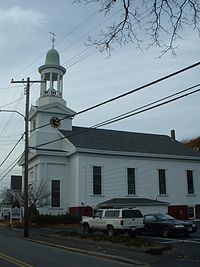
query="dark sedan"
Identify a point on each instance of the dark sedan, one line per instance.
(166, 225)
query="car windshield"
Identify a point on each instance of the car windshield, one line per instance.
(164, 217)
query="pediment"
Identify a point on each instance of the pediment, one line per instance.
(55, 108)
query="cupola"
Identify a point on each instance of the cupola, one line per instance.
(52, 72)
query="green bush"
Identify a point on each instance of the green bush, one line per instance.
(55, 219)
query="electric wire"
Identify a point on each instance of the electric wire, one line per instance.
(145, 106)
(11, 168)
(140, 88)
(77, 27)
(141, 111)
(77, 40)
(11, 151)
(126, 94)
(126, 116)
(90, 53)
(61, 40)
(9, 87)
(10, 103)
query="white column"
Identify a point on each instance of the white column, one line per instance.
(58, 85)
(51, 81)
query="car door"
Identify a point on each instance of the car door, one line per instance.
(150, 223)
(97, 220)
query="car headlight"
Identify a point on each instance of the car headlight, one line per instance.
(178, 226)
(194, 225)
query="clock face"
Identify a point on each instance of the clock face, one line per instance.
(55, 122)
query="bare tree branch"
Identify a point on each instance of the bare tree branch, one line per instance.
(162, 21)
(38, 195)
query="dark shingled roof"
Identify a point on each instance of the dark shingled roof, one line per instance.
(101, 139)
(130, 202)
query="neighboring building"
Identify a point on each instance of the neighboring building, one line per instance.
(7, 203)
(86, 167)
(16, 183)
(144, 204)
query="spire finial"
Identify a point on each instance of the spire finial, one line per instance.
(53, 38)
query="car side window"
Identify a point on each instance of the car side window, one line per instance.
(112, 213)
(149, 219)
(98, 214)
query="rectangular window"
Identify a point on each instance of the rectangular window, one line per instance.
(162, 182)
(191, 212)
(131, 181)
(190, 183)
(97, 180)
(55, 193)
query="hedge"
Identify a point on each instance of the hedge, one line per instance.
(55, 219)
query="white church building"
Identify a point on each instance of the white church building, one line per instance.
(84, 167)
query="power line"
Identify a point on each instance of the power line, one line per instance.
(144, 110)
(15, 163)
(127, 93)
(8, 104)
(61, 40)
(9, 87)
(11, 115)
(145, 106)
(140, 88)
(11, 151)
(72, 44)
(87, 55)
(77, 27)
(94, 28)
(142, 18)
(138, 112)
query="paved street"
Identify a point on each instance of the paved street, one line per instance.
(16, 251)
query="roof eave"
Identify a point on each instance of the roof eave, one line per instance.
(136, 154)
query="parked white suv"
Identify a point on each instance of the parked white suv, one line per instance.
(113, 221)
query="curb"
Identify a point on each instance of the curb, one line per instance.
(91, 253)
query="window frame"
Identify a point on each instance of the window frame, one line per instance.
(96, 185)
(162, 182)
(190, 184)
(191, 210)
(55, 200)
(131, 185)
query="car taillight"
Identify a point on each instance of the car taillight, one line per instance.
(122, 222)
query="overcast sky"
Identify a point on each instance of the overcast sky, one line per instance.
(25, 39)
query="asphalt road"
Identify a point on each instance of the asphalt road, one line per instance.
(17, 251)
(185, 252)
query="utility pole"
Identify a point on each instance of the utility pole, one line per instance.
(26, 152)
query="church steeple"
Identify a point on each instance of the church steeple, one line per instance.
(52, 72)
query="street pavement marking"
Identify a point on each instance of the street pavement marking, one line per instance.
(173, 240)
(184, 241)
(14, 260)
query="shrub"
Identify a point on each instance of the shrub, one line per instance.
(55, 219)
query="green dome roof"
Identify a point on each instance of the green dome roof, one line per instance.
(52, 57)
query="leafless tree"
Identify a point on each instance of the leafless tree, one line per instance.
(6, 196)
(38, 195)
(160, 21)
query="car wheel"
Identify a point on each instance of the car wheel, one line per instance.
(86, 229)
(166, 232)
(110, 230)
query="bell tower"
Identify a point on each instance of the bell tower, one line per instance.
(51, 72)
(50, 112)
